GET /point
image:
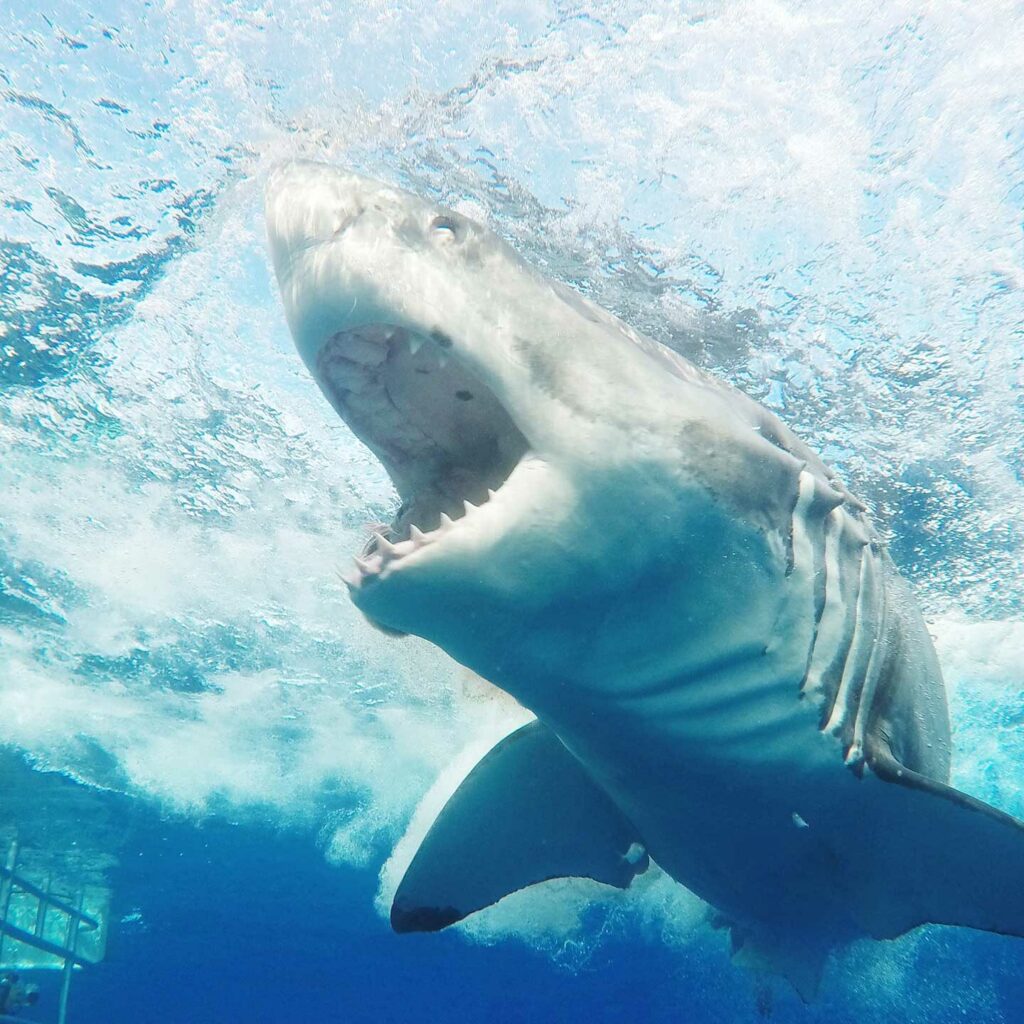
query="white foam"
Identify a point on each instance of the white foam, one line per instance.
(983, 657)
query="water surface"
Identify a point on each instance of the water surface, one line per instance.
(823, 203)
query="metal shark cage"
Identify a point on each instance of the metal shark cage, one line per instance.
(58, 931)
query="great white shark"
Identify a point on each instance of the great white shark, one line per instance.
(729, 675)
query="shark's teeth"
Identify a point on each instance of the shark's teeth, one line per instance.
(383, 552)
(350, 579)
(415, 342)
(385, 546)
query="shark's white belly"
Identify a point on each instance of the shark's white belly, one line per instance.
(723, 767)
(733, 825)
(725, 783)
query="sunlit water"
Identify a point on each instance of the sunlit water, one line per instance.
(821, 202)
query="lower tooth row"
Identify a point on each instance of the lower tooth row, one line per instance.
(387, 550)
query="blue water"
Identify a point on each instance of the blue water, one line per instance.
(822, 203)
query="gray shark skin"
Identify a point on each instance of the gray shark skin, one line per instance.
(728, 674)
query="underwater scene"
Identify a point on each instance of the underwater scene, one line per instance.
(496, 501)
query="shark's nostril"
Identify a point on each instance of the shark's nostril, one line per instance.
(346, 219)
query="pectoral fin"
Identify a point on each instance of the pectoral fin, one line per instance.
(526, 813)
(938, 856)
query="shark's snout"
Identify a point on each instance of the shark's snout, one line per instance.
(308, 205)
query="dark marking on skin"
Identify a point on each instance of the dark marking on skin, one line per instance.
(744, 473)
(441, 338)
(550, 375)
(464, 396)
(423, 370)
(423, 919)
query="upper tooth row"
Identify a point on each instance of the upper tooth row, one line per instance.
(369, 344)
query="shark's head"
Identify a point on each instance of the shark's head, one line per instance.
(533, 440)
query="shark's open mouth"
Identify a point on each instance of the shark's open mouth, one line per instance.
(445, 439)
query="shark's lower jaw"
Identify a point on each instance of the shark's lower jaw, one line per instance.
(446, 440)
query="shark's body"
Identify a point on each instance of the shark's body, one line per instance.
(727, 671)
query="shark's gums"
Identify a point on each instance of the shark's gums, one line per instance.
(728, 674)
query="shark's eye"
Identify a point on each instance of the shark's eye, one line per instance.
(444, 228)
